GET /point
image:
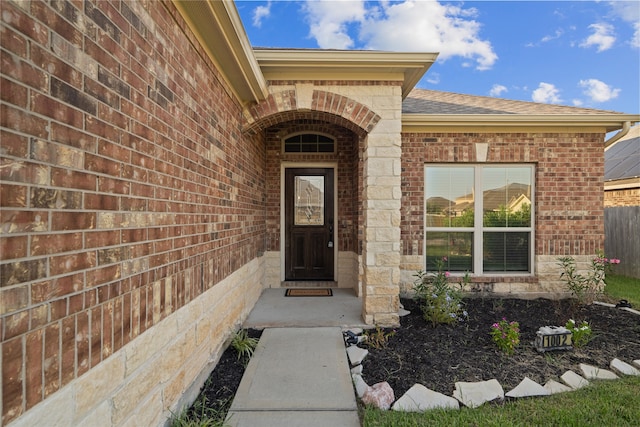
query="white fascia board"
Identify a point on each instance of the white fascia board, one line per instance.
(422, 122)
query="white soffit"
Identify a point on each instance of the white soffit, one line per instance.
(219, 30)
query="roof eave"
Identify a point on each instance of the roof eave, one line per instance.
(323, 64)
(218, 28)
(610, 122)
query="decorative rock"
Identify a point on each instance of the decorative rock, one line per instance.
(528, 388)
(360, 385)
(356, 354)
(595, 373)
(379, 395)
(637, 363)
(574, 380)
(357, 370)
(605, 304)
(624, 368)
(475, 394)
(356, 331)
(555, 387)
(419, 399)
(402, 312)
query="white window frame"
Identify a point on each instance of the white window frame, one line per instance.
(478, 227)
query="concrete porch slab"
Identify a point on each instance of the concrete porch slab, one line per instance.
(274, 310)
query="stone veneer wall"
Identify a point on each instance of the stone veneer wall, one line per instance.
(569, 210)
(132, 221)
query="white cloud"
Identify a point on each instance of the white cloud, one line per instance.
(598, 91)
(497, 90)
(259, 13)
(407, 26)
(635, 40)
(328, 21)
(546, 93)
(602, 37)
(629, 11)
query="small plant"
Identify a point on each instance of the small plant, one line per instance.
(506, 335)
(378, 337)
(244, 344)
(439, 301)
(585, 288)
(581, 333)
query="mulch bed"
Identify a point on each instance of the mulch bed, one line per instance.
(437, 357)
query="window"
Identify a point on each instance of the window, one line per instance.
(479, 217)
(309, 143)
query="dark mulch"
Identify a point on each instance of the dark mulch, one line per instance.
(437, 357)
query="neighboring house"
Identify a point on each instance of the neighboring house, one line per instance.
(150, 158)
(622, 202)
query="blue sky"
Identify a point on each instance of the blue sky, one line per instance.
(578, 53)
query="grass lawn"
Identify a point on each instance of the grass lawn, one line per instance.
(603, 403)
(621, 287)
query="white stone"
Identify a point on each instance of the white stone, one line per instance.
(637, 363)
(528, 388)
(419, 399)
(574, 380)
(555, 387)
(605, 304)
(402, 312)
(475, 394)
(595, 373)
(624, 368)
(356, 354)
(630, 310)
(360, 385)
(357, 370)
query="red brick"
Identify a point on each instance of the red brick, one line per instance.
(13, 93)
(13, 144)
(74, 262)
(96, 336)
(51, 364)
(47, 244)
(56, 288)
(101, 202)
(22, 71)
(33, 360)
(12, 379)
(13, 247)
(82, 342)
(73, 179)
(73, 137)
(15, 324)
(65, 221)
(68, 348)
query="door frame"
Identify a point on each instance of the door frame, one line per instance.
(301, 165)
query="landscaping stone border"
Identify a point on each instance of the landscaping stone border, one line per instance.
(473, 394)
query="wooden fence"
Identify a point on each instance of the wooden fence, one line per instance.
(622, 238)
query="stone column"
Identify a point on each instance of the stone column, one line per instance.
(381, 199)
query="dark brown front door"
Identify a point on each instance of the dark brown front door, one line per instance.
(309, 224)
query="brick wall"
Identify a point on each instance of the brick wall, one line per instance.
(622, 197)
(346, 158)
(128, 190)
(569, 168)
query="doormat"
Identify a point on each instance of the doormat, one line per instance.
(320, 292)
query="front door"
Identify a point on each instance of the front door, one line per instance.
(309, 224)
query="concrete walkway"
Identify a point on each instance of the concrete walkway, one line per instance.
(296, 377)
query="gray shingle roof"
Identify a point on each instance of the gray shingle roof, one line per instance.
(423, 101)
(623, 159)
